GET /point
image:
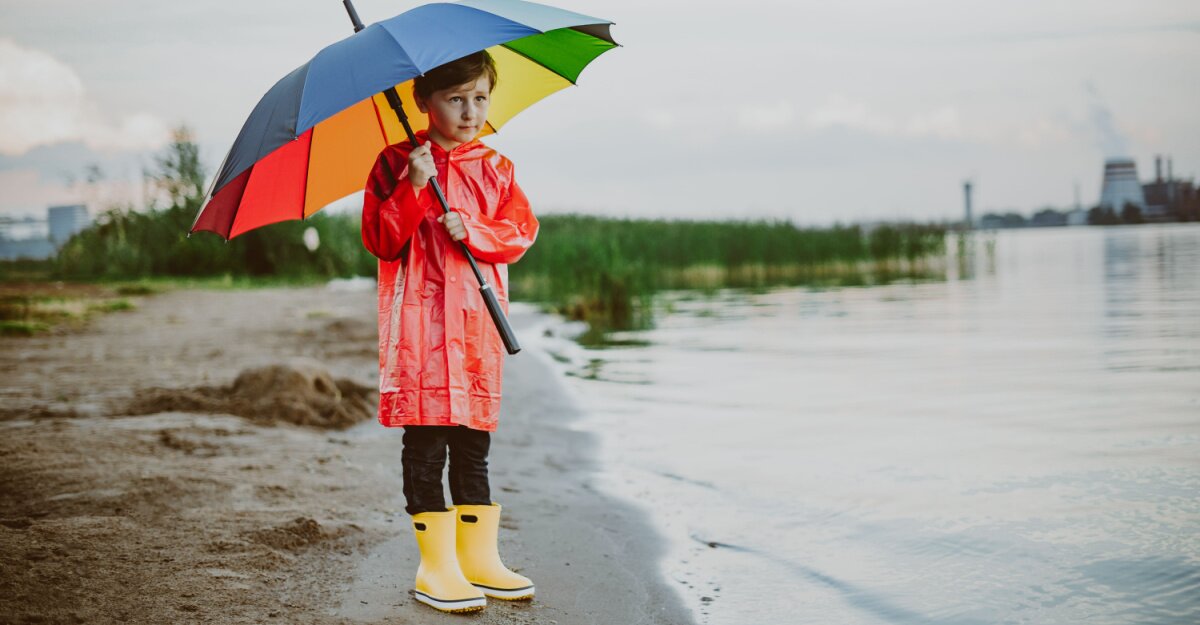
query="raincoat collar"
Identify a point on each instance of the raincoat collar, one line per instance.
(439, 151)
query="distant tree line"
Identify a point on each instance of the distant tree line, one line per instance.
(125, 244)
(1096, 216)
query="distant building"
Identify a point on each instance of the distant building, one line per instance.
(1169, 199)
(1121, 185)
(65, 221)
(38, 239)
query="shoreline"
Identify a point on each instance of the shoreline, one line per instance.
(193, 517)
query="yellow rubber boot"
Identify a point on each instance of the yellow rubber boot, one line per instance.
(478, 529)
(440, 583)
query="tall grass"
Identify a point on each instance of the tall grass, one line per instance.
(129, 245)
(606, 270)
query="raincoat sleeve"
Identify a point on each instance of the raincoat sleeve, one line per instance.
(392, 210)
(504, 237)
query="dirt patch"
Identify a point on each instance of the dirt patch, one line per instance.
(299, 534)
(148, 519)
(39, 412)
(302, 395)
(350, 331)
(188, 444)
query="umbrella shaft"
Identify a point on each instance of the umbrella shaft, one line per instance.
(489, 297)
(358, 25)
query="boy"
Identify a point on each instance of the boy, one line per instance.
(440, 356)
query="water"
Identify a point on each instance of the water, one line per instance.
(1017, 444)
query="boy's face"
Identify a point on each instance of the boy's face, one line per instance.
(457, 114)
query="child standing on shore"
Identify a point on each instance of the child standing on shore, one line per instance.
(440, 356)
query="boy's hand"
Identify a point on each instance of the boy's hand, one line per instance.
(420, 166)
(454, 225)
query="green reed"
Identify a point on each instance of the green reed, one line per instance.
(606, 271)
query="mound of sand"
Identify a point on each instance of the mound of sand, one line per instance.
(298, 394)
(300, 533)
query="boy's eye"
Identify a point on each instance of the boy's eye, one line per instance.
(455, 98)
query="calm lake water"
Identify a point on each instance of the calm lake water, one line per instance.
(1017, 444)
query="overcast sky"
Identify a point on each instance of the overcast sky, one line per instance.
(815, 111)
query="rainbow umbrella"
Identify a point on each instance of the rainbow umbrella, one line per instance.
(314, 136)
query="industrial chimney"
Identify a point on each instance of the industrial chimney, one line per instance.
(1170, 180)
(1121, 185)
(969, 222)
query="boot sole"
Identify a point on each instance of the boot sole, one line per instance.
(473, 604)
(507, 594)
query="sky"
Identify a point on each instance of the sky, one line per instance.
(813, 111)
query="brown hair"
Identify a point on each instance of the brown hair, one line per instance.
(457, 72)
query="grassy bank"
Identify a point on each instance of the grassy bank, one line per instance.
(601, 270)
(605, 271)
(28, 308)
(128, 245)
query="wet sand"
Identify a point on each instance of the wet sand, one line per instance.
(143, 481)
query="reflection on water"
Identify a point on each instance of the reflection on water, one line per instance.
(1019, 443)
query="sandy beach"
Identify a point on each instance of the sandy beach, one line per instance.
(212, 457)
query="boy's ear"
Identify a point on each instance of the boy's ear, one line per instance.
(420, 103)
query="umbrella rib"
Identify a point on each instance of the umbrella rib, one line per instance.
(379, 119)
(307, 167)
(383, 132)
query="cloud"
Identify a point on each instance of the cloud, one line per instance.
(941, 123)
(847, 113)
(768, 116)
(43, 102)
(945, 123)
(26, 192)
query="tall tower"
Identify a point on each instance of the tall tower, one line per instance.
(968, 221)
(1121, 185)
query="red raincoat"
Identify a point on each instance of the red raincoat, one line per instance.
(440, 357)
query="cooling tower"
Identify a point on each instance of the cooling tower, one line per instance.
(1121, 185)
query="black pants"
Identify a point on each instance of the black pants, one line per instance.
(424, 459)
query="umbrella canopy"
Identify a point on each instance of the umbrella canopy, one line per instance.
(314, 136)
